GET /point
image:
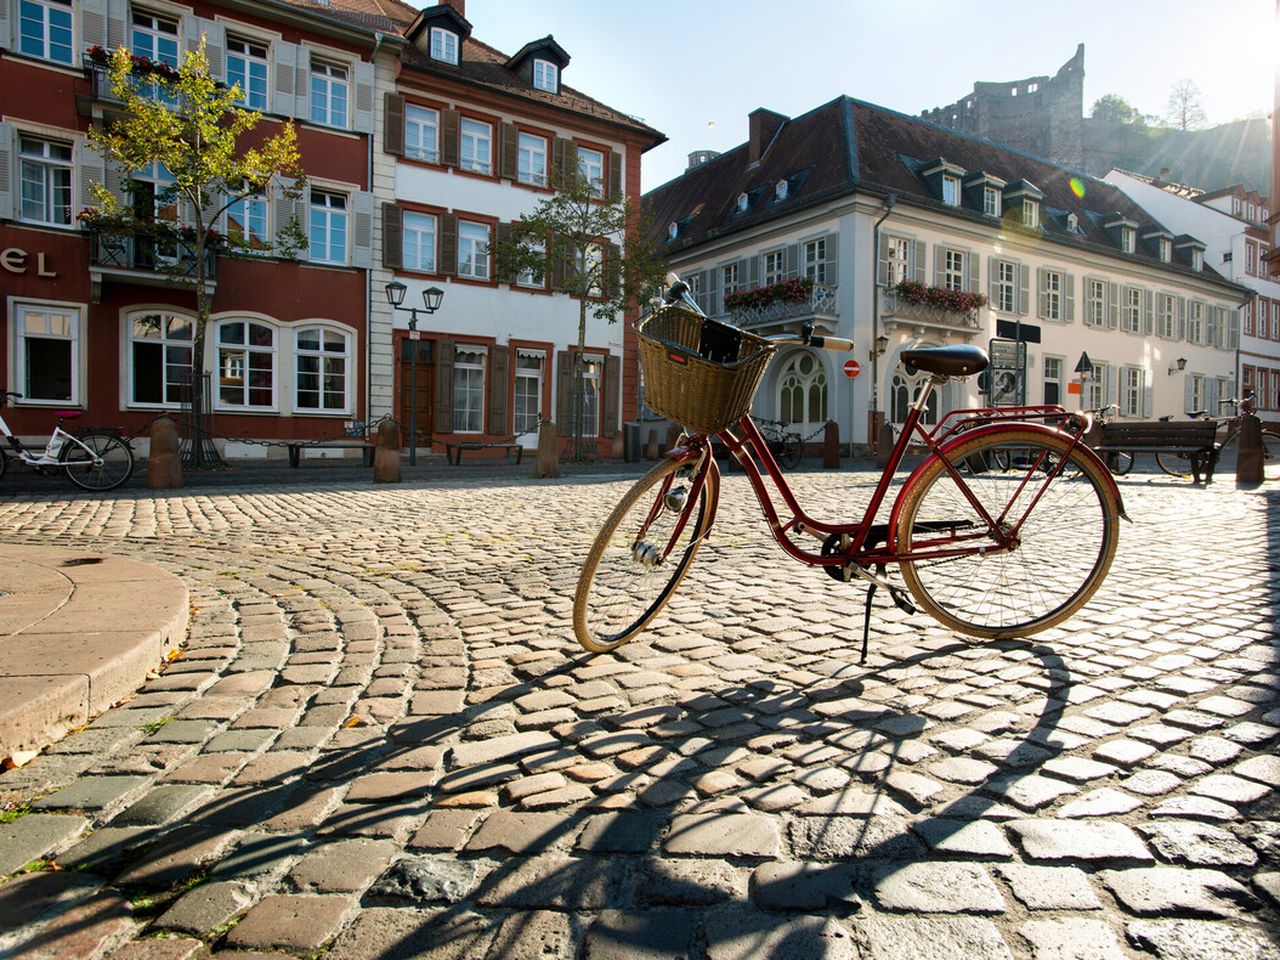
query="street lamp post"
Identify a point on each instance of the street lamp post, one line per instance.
(431, 298)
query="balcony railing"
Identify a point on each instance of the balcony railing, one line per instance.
(821, 304)
(895, 307)
(100, 81)
(167, 257)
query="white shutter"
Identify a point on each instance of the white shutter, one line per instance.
(882, 261)
(362, 229)
(284, 66)
(6, 37)
(1187, 393)
(117, 24)
(302, 85)
(1068, 297)
(939, 265)
(93, 169)
(1024, 289)
(8, 156)
(215, 48)
(1180, 333)
(920, 269)
(362, 112)
(1233, 330)
(283, 209)
(1148, 312)
(1147, 401)
(832, 262)
(971, 266)
(1042, 292)
(93, 23)
(1113, 306)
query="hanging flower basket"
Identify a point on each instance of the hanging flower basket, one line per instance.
(793, 290)
(957, 301)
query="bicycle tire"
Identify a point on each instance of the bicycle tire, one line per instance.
(1175, 464)
(791, 452)
(1270, 455)
(618, 595)
(116, 466)
(1120, 462)
(1069, 539)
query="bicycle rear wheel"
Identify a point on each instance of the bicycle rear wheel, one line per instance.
(1175, 464)
(1270, 455)
(114, 468)
(626, 579)
(1063, 550)
(1120, 462)
(790, 452)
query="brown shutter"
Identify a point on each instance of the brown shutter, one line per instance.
(444, 386)
(508, 151)
(564, 156)
(612, 388)
(501, 256)
(612, 270)
(615, 175)
(556, 257)
(448, 261)
(449, 135)
(564, 393)
(498, 389)
(393, 131)
(392, 236)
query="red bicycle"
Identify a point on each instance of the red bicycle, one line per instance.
(1007, 527)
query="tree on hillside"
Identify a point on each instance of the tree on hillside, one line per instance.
(594, 248)
(1184, 110)
(188, 125)
(1116, 109)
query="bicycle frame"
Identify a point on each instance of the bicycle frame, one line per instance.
(58, 441)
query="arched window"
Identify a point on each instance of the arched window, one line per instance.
(246, 364)
(802, 390)
(901, 392)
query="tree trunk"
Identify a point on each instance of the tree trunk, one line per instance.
(197, 356)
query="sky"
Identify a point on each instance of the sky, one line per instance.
(694, 69)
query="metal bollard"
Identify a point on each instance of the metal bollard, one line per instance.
(386, 453)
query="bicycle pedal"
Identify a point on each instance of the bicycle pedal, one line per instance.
(901, 602)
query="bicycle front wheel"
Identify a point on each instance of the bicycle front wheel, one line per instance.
(1176, 464)
(629, 575)
(1062, 551)
(114, 461)
(1270, 455)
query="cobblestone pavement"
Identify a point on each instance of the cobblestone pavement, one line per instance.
(382, 741)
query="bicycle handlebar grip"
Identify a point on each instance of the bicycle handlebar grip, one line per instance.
(675, 293)
(831, 343)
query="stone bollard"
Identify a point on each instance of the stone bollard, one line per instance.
(886, 445)
(831, 446)
(617, 450)
(386, 453)
(164, 465)
(548, 464)
(651, 448)
(1249, 452)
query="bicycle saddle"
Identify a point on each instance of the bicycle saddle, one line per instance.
(957, 360)
(70, 414)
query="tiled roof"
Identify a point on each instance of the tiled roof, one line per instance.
(386, 15)
(849, 145)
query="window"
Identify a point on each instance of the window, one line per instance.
(531, 164)
(473, 250)
(589, 263)
(774, 267)
(729, 277)
(1073, 223)
(247, 69)
(159, 358)
(592, 368)
(1052, 381)
(899, 250)
(546, 76)
(1195, 322)
(1052, 294)
(1195, 392)
(530, 277)
(44, 30)
(1214, 333)
(419, 249)
(1032, 87)
(1166, 250)
(468, 390)
(591, 168)
(1030, 214)
(1250, 258)
(1095, 313)
(815, 260)
(48, 353)
(991, 201)
(421, 133)
(953, 273)
(476, 146)
(528, 398)
(1197, 259)
(155, 38)
(900, 395)
(328, 233)
(323, 358)
(154, 196)
(247, 222)
(1006, 283)
(1098, 388)
(781, 189)
(802, 390)
(444, 45)
(1131, 315)
(1127, 236)
(1131, 392)
(329, 94)
(950, 190)
(1165, 307)
(46, 181)
(246, 364)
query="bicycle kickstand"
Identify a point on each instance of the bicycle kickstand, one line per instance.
(866, 619)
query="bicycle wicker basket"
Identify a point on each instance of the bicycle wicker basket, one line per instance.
(699, 373)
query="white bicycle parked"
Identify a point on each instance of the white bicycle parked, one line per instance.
(94, 459)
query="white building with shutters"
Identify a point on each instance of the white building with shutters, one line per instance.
(91, 320)
(1067, 263)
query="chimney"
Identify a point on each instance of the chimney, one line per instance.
(459, 5)
(698, 157)
(764, 126)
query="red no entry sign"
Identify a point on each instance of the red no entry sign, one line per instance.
(852, 368)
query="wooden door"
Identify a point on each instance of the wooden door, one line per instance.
(424, 396)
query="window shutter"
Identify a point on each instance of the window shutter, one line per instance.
(498, 390)
(508, 150)
(919, 267)
(971, 264)
(1220, 327)
(190, 32)
(444, 386)
(215, 47)
(791, 259)
(1147, 403)
(713, 292)
(362, 106)
(102, 23)
(1024, 289)
(556, 254)
(302, 84)
(285, 208)
(564, 393)
(1181, 331)
(993, 274)
(1068, 297)
(939, 263)
(392, 236)
(1109, 385)
(1211, 395)
(1233, 330)
(882, 261)
(393, 125)
(1113, 306)
(449, 137)
(615, 175)
(1187, 394)
(1148, 312)
(832, 261)
(447, 262)
(751, 271)
(564, 160)
(284, 64)
(6, 37)
(612, 388)
(362, 229)
(613, 269)
(7, 165)
(1042, 292)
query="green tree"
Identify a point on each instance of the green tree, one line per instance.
(1184, 110)
(594, 247)
(1116, 109)
(191, 124)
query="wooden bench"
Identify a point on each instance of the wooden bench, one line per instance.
(296, 448)
(453, 450)
(1194, 438)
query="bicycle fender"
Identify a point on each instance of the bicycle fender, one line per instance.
(997, 428)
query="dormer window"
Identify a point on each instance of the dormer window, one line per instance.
(1128, 236)
(1073, 223)
(991, 201)
(1166, 250)
(673, 230)
(781, 189)
(1030, 214)
(950, 190)
(1197, 259)
(444, 45)
(743, 202)
(546, 76)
